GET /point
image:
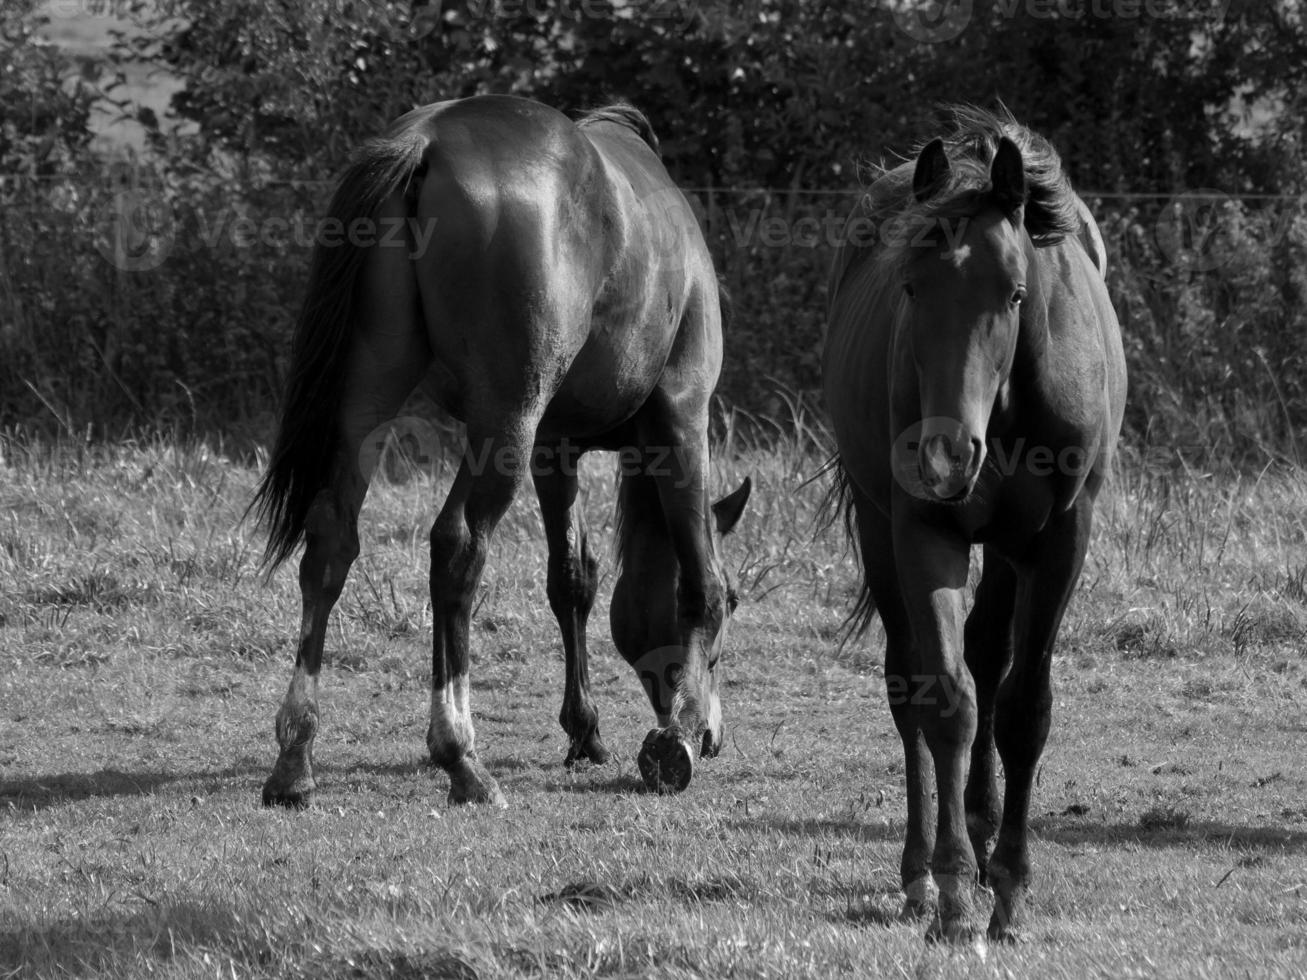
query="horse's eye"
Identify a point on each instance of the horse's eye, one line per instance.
(732, 600)
(909, 290)
(1018, 295)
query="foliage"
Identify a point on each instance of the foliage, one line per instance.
(45, 99)
(757, 103)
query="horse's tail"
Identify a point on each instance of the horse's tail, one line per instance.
(837, 505)
(309, 431)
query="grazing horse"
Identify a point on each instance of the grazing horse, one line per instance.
(975, 379)
(553, 286)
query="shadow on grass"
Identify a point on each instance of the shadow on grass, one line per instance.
(39, 792)
(1070, 831)
(56, 789)
(111, 943)
(821, 828)
(616, 785)
(1057, 830)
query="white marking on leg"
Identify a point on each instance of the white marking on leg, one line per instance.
(451, 716)
(922, 891)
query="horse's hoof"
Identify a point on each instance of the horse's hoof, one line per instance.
(914, 911)
(471, 783)
(296, 795)
(590, 747)
(666, 760)
(921, 900)
(1007, 935)
(1007, 923)
(959, 933)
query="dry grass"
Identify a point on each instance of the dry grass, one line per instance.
(142, 659)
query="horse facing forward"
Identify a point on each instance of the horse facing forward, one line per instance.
(553, 284)
(975, 379)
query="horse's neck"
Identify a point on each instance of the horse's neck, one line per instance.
(1032, 339)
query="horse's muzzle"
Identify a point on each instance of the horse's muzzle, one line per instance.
(949, 467)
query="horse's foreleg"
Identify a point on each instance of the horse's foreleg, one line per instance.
(876, 547)
(573, 581)
(932, 567)
(681, 479)
(1025, 702)
(988, 650)
(487, 480)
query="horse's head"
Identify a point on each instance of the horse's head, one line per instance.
(960, 311)
(674, 637)
(725, 515)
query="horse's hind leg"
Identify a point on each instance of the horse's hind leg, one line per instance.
(573, 581)
(487, 481)
(1025, 700)
(387, 357)
(331, 545)
(876, 546)
(988, 642)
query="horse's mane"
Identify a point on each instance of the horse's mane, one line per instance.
(1051, 211)
(623, 114)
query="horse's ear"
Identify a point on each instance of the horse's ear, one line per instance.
(1008, 175)
(932, 171)
(726, 512)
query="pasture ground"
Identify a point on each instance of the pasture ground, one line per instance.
(142, 660)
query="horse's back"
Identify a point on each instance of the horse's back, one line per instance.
(558, 260)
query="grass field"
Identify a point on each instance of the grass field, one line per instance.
(142, 660)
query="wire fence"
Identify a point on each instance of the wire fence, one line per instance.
(138, 301)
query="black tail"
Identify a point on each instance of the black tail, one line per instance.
(309, 432)
(837, 505)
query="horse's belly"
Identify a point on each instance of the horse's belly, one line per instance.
(606, 383)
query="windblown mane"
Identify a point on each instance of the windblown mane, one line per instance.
(623, 114)
(1051, 210)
